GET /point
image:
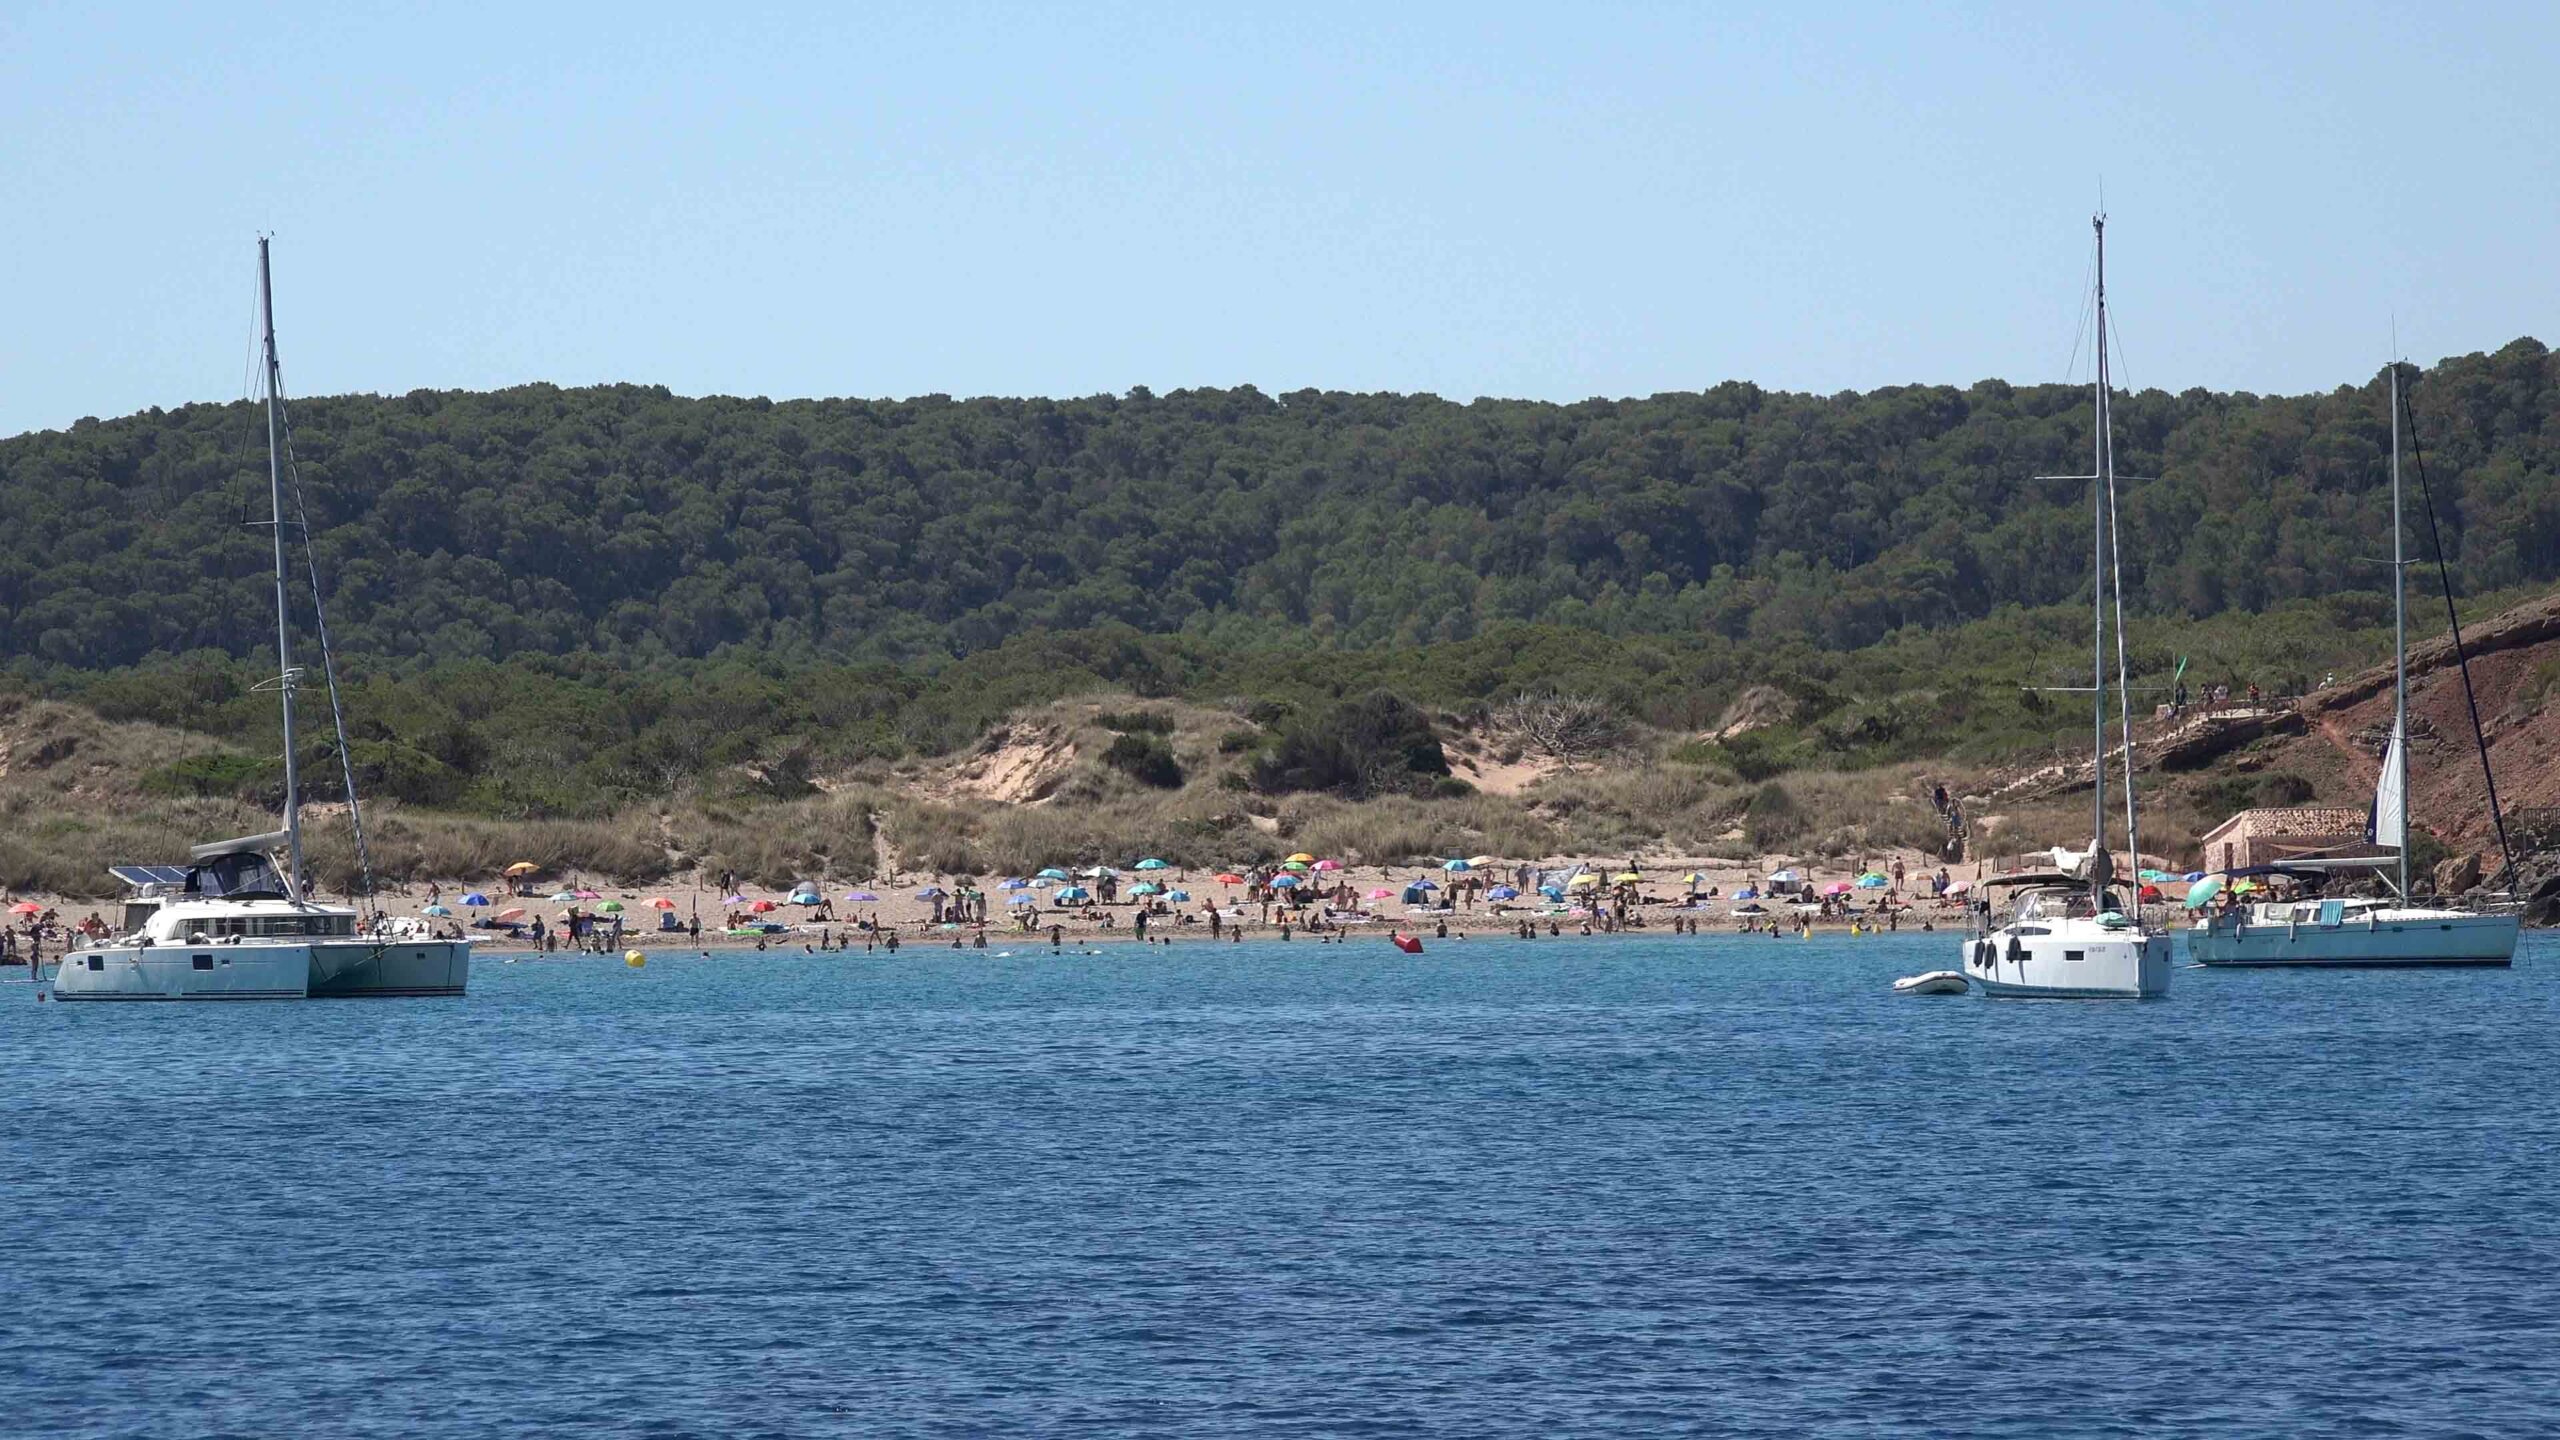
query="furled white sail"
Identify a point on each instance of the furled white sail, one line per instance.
(2390, 824)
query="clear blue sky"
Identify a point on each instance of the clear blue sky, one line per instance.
(1475, 199)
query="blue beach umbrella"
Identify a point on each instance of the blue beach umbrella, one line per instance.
(1872, 881)
(931, 892)
(1075, 892)
(1014, 883)
(1502, 892)
(438, 911)
(1552, 892)
(1284, 882)
(1455, 866)
(1019, 901)
(1177, 895)
(1424, 885)
(1152, 863)
(1146, 887)
(475, 898)
(2201, 893)
(1053, 873)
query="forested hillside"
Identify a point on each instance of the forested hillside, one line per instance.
(635, 525)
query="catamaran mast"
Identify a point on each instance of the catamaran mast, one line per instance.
(285, 673)
(2395, 763)
(2098, 865)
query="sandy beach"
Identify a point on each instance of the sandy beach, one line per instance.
(1659, 903)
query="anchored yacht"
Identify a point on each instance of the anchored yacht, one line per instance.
(238, 921)
(2065, 934)
(2320, 932)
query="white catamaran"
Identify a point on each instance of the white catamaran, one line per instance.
(2067, 935)
(237, 922)
(2363, 931)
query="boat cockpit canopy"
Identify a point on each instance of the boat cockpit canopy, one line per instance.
(240, 875)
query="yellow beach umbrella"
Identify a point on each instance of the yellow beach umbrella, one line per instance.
(1582, 882)
(1302, 858)
(1625, 877)
(522, 867)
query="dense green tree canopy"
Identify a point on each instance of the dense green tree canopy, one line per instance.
(627, 523)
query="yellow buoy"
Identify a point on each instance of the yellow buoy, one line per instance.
(634, 959)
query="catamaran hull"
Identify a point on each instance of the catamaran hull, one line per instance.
(2133, 968)
(2468, 940)
(362, 971)
(177, 972)
(352, 970)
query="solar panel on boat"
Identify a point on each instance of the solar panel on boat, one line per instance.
(141, 875)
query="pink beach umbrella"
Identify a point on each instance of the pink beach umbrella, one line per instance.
(1382, 894)
(1328, 864)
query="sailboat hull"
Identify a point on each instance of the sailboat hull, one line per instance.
(2070, 962)
(2420, 940)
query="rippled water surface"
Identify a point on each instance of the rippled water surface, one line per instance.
(1701, 1186)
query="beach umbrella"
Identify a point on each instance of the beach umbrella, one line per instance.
(1961, 887)
(2194, 875)
(1872, 881)
(1224, 877)
(1382, 894)
(2148, 892)
(1328, 864)
(1075, 892)
(1099, 871)
(1424, 885)
(1284, 882)
(522, 867)
(1626, 877)
(1152, 863)
(1784, 877)
(611, 907)
(1837, 887)
(508, 915)
(1020, 901)
(931, 892)
(1502, 892)
(662, 903)
(438, 911)
(1177, 894)
(1014, 882)
(762, 906)
(2154, 877)
(589, 895)
(2201, 893)
(1481, 861)
(1303, 858)
(1582, 882)
(1693, 878)
(1053, 873)
(1552, 892)
(1293, 864)
(860, 897)
(1146, 887)
(563, 896)
(475, 899)
(1456, 866)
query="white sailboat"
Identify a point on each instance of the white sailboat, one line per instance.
(238, 922)
(2066, 935)
(2368, 932)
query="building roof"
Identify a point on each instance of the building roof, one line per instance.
(2322, 822)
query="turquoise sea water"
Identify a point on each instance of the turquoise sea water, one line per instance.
(1715, 1185)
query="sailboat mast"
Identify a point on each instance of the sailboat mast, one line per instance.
(285, 675)
(2098, 597)
(2397, 760)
